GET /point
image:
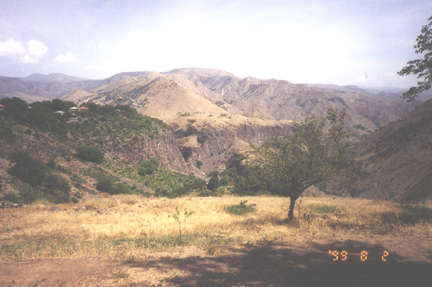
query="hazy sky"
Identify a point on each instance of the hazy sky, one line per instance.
(361, 42)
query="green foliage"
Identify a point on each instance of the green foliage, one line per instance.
(28, 169)
(288, 166)
(215, 192)
(214, 181)
(105, 184)
(249, 181)
(88, 153)
(421, 67)
(98, 122)
(240, 209)
(15, 109)
(110, 184)
(56, 189)
(148, 167)
(6, 132)
(29, 194)
(173, 184)
(199, 164)
(323, 208)
(234, 165)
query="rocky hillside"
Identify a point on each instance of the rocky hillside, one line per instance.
(367, 109)
(398, 159)
(278, 100)
(213, 113)
(89, 147)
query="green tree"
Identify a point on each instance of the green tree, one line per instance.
(28, 169)
(314, 152)
(89, 153)
(148, 166)
(214, 180)
(421, 67)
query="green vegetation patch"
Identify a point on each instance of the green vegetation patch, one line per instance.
(28, 169)
(96, 122)
(323, 208)
(147, 167)
(173, 184)
(240, 209)
(89, 153)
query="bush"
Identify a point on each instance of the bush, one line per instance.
(214, 181)
(148, 167)
(240, 209)
(105, 184)
(56, 188)
(88, 153)
(215, 192)
(199, 164)
(30, 194)
(28, 169)
(109, 185)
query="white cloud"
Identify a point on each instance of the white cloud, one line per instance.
(32, 52)
(11, 47)
(103, 45)
(36, 49)
(65, 58)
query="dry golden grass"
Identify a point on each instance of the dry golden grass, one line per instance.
(128, 225)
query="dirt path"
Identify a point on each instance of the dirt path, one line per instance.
(409, 263)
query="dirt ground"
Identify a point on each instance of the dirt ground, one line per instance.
(306, 263)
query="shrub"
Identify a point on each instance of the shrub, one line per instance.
(109, 185)
(214, 181)
(148, 167)
(28, 169)
(105, 184)
(88, 153)
(56, 188)
(30, 194)
(215, 192)
(199, 164)
(240, 209)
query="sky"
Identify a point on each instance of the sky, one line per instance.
(356, 42)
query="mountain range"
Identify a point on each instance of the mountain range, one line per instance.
(212, 113)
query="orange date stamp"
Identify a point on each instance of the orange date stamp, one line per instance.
(343, 255)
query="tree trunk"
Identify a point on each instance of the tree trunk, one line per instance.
(291, 209)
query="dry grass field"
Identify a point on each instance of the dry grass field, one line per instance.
(129, 240)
